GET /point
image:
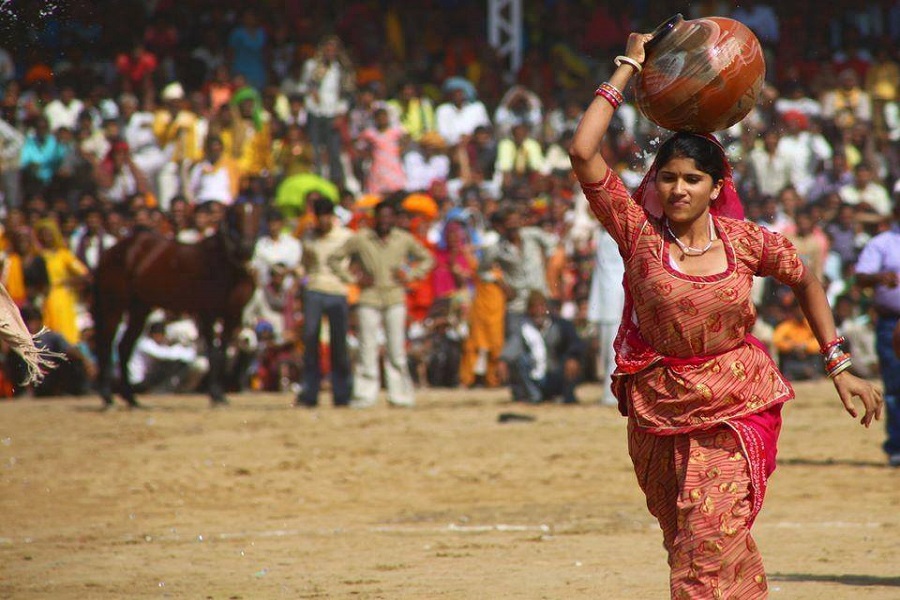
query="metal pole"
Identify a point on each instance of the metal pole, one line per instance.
(505, 33)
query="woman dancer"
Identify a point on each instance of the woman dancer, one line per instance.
(703, 399)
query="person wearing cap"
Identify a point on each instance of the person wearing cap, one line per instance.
(175, 128)
(803, 144)
(386, 259)
(324, 294)
(457, 118)
(878, 267)
(250, 135)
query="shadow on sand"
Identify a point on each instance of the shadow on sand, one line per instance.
(852, 580)
(829, 462)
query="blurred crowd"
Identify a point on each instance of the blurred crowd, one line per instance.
(369, 118)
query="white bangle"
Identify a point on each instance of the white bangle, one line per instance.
(629, 61)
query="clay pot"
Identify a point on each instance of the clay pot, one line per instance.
(701, 75)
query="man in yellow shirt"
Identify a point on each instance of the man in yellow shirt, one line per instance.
(176, 132)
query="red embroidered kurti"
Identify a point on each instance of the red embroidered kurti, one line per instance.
(681, 317)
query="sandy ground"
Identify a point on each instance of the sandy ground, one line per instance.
(261, 500)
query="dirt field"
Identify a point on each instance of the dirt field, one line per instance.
(261, 500)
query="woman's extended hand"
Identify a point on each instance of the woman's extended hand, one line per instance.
(849, 385)
(634, 48)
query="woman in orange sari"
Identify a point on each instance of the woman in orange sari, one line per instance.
(703, 399)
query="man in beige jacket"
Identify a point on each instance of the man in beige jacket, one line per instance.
(387, 259)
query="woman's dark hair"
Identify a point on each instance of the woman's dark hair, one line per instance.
(706, 154)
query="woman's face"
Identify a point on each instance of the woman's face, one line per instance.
(685, 191)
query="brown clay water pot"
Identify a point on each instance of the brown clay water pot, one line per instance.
(700, 75)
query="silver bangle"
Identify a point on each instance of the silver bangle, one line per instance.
(840, 368)
(629, 61)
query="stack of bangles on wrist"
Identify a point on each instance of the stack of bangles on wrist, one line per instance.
(837, 360)
(610, 93)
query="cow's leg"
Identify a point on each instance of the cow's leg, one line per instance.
(215, 352)
(137, 317)
(106, 325)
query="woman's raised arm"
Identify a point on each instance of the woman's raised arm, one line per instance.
(815, 307)
(584, 152)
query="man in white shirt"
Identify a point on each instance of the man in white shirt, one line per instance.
(519, 105)
(328, 81)
(866, 191)
(11, 142)
(90, 240)
(276, 247)
(137, 129)
(64, 111)
(159, 366)
(605, 305)
(771, 167)
(805, 148)
(426, 163)
(215, 178)
(458, 117)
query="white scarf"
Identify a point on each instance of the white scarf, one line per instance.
(537, 348)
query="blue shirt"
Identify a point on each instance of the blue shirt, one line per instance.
(47, 156)
(882, 254)
(249, 55)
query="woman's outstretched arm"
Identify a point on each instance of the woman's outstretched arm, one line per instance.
(584, 152)
(815, 307)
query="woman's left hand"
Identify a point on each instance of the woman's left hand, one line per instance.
(848, 386)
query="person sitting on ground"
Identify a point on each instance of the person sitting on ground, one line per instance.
(798, 350)
(543, 360)
(158, 366)
(72, 369)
